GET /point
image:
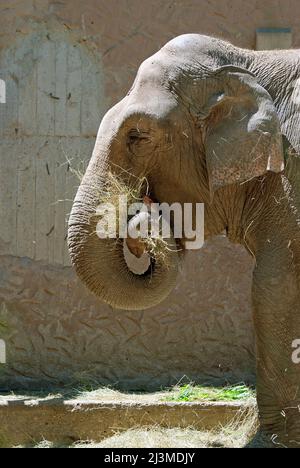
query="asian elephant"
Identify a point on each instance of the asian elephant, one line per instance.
(207, 122)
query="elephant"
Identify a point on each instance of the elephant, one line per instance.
(207, 122)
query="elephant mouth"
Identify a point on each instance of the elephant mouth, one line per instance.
(136, 255)
(142, 253)
(127, 272)
(138, 265)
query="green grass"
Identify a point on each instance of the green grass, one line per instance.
(192, 392)
(180, 393)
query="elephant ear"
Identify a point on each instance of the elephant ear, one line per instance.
(243, 138)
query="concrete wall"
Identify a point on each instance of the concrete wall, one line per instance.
(65, 63)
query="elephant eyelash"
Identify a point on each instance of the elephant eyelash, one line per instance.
(136, 139)
(137, 136)
(135, 143)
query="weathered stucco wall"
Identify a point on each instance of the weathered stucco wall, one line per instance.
(57, 332)
(65, 63)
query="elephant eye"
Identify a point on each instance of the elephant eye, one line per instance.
(137, 140)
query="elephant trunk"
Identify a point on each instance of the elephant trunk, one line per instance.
(102, 264)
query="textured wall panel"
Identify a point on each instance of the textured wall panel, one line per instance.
(56, 332)
(37, 189)
(49, 122)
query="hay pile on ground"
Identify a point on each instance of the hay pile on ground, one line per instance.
(236, 435)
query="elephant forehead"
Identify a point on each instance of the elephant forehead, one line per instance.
(191, 48)
(163, 69)
(145, 103)
(154, 71)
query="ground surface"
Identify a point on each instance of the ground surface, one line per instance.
(228, 437)
(187, 393)
(238, 430)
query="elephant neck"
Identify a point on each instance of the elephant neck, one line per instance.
(246, 211)
(275, 70)
(236, 212)
(225, 212)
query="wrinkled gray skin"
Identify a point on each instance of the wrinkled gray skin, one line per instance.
(208, 122)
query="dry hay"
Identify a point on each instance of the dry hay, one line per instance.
(237, 434)
(136, 191)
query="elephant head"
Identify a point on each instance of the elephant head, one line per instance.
(193, 123)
